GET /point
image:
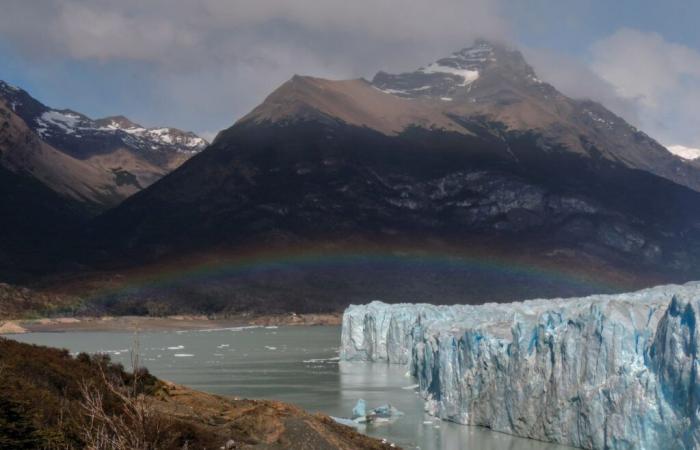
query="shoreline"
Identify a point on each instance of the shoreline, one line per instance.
(166, 323)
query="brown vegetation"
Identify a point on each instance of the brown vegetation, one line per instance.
(52, 400)
(22, 302)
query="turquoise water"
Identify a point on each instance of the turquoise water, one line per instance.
(292, 364)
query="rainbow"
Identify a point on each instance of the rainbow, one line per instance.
(319, 259)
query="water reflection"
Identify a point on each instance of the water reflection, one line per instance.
(382, 383)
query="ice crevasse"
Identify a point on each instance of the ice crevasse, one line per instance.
(601, 372)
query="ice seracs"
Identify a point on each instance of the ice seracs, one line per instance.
(599, 372)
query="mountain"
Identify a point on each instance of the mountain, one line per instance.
(470, 154)
(495, 82)
(98, 162)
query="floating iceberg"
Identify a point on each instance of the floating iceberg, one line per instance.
(383, 413)
(360, 409)
(600, 372)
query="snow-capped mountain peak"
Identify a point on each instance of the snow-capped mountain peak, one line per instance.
(54, 124)
(77, 133)
(152, 138)
(5, 86)
(453, 75)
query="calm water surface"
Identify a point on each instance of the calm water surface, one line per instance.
(292, 364)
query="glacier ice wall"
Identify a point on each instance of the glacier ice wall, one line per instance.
(600, 372)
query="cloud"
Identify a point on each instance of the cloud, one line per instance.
(209, 31)
(576, 79)
(661, 78)
(209, 61)
(651, 82)
(202, 64)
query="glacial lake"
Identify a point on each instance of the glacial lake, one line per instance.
(293, 364)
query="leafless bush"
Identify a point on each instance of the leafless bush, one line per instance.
(133, 424)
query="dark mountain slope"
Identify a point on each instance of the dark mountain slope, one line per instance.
(342, 187)
(469, 155)
(311, 179)
(34, 221)
(58, 167)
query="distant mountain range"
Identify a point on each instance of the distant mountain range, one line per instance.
(473, 151)
(58, 168)
(96, 162)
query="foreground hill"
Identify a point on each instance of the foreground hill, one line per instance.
(52, 400)
(472, 153)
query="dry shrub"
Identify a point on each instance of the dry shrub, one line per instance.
(133, 424)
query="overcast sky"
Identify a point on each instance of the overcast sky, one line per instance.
(200, 65)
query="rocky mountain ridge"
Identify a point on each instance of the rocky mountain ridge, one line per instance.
(101, 161)
(65, 128)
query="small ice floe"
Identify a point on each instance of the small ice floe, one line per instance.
(249, 327)
(427, 422)
(177, 347)
(114, 352)
(348, 422)
(222, 346)
(213, 330)
(183, 355)
(411, 387)
(269, 347)
(272, 327)
(381, 414)
(321, 360)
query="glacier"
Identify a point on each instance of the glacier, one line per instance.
(599, 372)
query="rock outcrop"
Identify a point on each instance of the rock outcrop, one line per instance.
(599, 372)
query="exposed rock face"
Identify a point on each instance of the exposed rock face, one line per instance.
(599, 372)
(494, 81)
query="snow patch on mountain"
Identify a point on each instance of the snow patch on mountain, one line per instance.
(684, 152)
(164, 136)
(442, 78)
(467, 75)
(66, 121)
(7, 86)
(54, 123)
